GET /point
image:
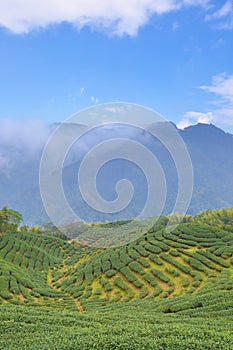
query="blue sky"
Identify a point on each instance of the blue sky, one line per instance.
(172, 56)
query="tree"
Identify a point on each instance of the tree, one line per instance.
(51, 229)
(9, 220)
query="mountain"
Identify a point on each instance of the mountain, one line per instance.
(210, 149)
(211, 153)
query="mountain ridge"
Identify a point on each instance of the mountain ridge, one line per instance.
(210, 149)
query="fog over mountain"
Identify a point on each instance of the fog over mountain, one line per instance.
(21, 148)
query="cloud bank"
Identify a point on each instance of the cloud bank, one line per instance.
(20, 140)
(28, 136)
(116, 16)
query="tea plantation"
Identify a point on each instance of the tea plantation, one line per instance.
(162, 291)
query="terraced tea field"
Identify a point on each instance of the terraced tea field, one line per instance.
(43, 270)
(170, 291)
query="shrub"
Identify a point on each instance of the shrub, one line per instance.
(110, 273)
(160, 275)
(135, 266)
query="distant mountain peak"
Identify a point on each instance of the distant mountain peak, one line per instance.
(205, 128)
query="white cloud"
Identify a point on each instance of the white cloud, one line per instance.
(20, 139)
(94, 100)
(224, 11)
(28, 136)
(183, 123)
(192, 118)
(222, 115)
(224, 15)
(117, 16)
(204, 118)
(222, 85)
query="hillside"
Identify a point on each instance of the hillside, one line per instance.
(170, 291)
(41, 269)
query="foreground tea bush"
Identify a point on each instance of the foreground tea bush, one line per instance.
(121, 326)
